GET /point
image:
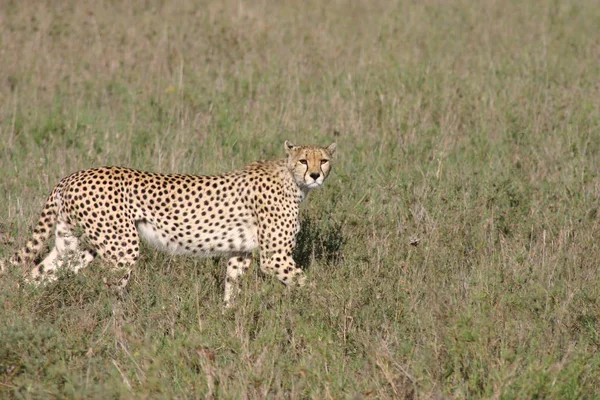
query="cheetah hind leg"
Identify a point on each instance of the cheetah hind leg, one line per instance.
(121, 267)
(237, 266)
(121, 283)
(120, 253)
(282, 266)
(67, 252)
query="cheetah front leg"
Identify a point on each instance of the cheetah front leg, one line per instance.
(237, 266)
(276, 248)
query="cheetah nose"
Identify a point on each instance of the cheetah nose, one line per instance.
(315, 175)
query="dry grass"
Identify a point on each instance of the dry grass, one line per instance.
(454, 249)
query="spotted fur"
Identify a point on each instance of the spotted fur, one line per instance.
(232, 214)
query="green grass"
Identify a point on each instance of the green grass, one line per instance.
(454, 249)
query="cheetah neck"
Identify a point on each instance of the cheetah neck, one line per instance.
(281, 171)
(292, 185)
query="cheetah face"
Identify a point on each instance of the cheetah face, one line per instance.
(309, 165)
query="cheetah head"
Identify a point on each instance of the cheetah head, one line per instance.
(309, 165)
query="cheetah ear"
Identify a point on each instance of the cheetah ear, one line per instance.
(331, 148)
(289, 146)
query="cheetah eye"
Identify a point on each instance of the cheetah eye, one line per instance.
(303, 162)
(324, 162)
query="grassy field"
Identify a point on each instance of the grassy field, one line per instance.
(454, 249)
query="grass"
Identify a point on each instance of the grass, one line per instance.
(454, 249)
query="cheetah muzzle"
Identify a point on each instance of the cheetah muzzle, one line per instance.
(230, 214)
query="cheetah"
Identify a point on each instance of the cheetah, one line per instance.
(229, 214)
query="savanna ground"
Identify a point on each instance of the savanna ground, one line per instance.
(454, 249)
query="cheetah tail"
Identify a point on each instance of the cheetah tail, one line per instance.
(41, 232)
